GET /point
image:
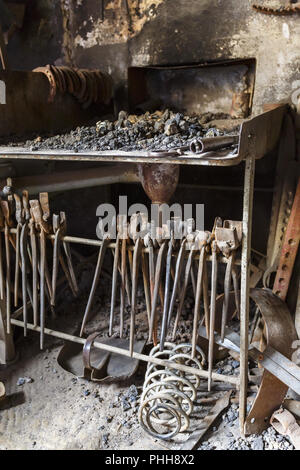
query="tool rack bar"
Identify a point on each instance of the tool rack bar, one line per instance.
(216, 158)
(135, 355)
(92, 242)
(245, 284)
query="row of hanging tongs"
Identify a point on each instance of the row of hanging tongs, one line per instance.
(25, 279)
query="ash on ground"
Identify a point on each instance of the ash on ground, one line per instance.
(161, 130)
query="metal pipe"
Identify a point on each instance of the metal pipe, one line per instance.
(135, 355)
(245, 284)
(76, 179)
(208, 144)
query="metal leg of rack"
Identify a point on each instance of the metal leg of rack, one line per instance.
(245, 276)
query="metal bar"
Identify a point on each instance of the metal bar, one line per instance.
(135, 355)
(114, 285)
(245, 285)
(266, 127)
(273, 361)
(212, 316)
(92, 242)
(164, 325)
(77, 179)
(193, 440)
(289, 366)
(219, 158)
(42, 286)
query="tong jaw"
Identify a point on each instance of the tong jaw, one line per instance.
(228, 237)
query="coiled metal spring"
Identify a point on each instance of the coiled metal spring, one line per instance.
(168, 394)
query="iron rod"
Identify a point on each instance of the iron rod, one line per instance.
(245, 285)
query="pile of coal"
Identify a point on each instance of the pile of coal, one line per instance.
(161, 130)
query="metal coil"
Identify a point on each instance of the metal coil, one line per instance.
(168, 394)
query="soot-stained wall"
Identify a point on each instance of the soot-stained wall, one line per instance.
(115, 34)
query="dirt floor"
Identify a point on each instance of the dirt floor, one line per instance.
(48, 407)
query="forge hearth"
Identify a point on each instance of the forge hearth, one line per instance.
(161, 130)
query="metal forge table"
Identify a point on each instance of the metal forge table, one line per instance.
(258, 136)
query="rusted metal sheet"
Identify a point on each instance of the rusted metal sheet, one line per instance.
(297, 312)
(194, 439)
(285, 423)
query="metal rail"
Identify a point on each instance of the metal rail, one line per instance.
(76, 179)
(266, 129)
(124, 352)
